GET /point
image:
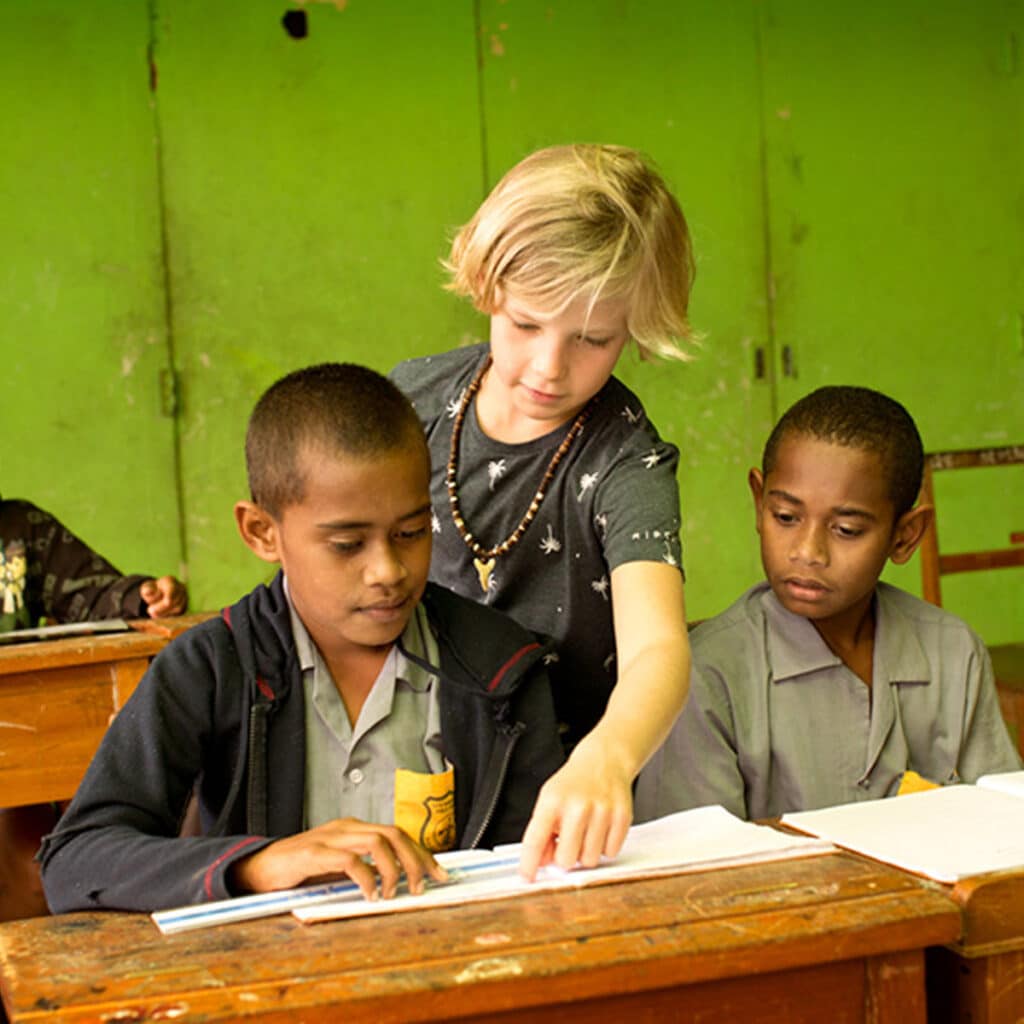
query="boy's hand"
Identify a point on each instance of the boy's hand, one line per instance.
(335, 849)
(165, 596)
(583, 812)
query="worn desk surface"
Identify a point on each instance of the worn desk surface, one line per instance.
(980, 978)
(56, 699)
(831, 938)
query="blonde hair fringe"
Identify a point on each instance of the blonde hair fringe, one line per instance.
(583, 220)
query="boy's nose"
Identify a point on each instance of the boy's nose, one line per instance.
(549, 358)
(811, 546)
(384, 567)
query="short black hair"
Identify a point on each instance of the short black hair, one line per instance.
(857, 417)
(341, 408)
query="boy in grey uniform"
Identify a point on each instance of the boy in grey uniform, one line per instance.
(822, 685)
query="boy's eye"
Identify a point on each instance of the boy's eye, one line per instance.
(346, 546)
(596, 342)
(412, 534)
(786, 518)
(523, 325)
(848, 531)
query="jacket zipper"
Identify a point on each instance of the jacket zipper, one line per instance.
(513, 735)
(256, 813)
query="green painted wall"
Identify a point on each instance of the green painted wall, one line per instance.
(854, 180)
(82, 303)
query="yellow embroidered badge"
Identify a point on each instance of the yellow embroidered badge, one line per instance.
(425, 807)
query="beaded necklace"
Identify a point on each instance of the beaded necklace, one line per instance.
(486, 557)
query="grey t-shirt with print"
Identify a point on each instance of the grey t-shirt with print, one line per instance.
(613, 499)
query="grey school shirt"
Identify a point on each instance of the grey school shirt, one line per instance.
(613, 499)
(350, 769)
(776, 722)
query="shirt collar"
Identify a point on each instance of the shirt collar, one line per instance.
(304, 646)
(417, 638)
(795, 647)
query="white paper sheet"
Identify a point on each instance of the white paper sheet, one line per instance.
(1004, 782)
(707, 837)
(946, 834)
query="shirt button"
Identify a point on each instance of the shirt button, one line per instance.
(355, 776)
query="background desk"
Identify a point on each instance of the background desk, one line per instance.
(832, 938)
(980, 978)
(56, 699)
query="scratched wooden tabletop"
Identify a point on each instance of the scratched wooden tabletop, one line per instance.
(735, 939)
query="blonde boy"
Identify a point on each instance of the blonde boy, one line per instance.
(555, 498)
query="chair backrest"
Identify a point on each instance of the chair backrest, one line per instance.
(934, 564)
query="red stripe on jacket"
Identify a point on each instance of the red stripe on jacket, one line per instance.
(208, 877)
(493, 684)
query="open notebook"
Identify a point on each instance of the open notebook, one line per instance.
(946, 834)
(708, 837)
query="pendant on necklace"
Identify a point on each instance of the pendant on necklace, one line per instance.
(484, 570)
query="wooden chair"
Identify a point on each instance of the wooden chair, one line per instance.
(1007, 659)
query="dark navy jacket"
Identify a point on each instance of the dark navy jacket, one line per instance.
(222, 709)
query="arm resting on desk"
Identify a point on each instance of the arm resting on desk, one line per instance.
(117, 847)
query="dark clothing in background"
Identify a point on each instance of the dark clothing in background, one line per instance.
(60, 578)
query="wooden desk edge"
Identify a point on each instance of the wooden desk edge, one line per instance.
(146, 638)
(880, 929)
(992, 906)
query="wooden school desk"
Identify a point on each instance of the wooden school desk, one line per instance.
(832, 938)
(56, 699)
(980, 978)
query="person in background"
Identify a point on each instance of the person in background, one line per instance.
(823, 685)
(49, 576)
(555, 498)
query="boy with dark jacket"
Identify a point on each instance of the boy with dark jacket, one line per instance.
(346, 720)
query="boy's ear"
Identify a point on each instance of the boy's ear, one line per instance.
(259, 530)
(909, 531)
(755, 479)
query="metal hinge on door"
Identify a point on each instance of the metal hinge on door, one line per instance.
(788, 365)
